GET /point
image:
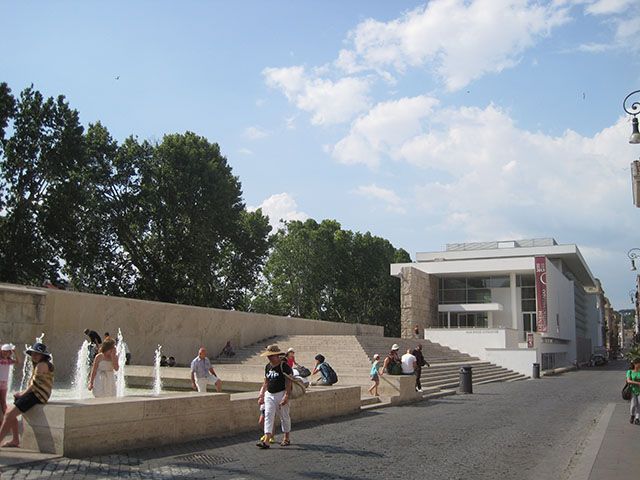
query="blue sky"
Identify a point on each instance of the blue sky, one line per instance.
(425, 123)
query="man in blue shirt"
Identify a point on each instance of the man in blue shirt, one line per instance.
(202, 373)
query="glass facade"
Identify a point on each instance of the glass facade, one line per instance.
(470, 289)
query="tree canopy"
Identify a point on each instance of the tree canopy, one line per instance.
(166, 221)
(320, 271)
(161, 221)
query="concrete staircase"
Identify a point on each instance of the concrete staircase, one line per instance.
(351, 356)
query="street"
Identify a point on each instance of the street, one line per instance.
(523, 430)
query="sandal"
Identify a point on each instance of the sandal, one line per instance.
(285, 443)
(262, 445)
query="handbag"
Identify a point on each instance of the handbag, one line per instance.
(298, 388)
(626, 392)
(303, 371)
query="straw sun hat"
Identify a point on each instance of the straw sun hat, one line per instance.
(272, 350)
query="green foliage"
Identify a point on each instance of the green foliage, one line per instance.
(633, 353)
(36, 166)
(317, 270)
(161, 222)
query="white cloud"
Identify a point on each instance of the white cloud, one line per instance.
(385, 127)
(608, 7)
(281, 206)
(245, 151)
(392, 202)
(255, 133)
(460, 40)
(328, 101)
(495, 180)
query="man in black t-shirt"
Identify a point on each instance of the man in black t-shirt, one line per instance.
(420, 362)
(274, 394)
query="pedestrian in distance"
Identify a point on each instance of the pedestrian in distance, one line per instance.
(416, 331)
(633, 379)
(8, 357)
(392, 362)
(203, 374)
(375, 375)
(102, 381)
(274, 394)
(38, 392)
(420, 362)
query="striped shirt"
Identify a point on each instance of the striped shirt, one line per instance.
(41, 384)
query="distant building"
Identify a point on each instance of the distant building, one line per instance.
(513, 303)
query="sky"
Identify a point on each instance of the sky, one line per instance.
(423, 123)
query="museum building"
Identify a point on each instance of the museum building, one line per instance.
(513, 303)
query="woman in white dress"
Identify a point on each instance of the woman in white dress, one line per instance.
(103, 379)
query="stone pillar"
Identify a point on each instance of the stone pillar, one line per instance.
(418, 301)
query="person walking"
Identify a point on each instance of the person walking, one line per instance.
(633, 378)
(38, 392)
(375, 375)
(420, 362)
(202, 373)
(274, 394)
(102, 381)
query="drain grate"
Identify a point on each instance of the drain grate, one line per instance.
(202, 460)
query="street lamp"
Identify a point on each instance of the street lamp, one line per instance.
(633, 254)
(633, 109)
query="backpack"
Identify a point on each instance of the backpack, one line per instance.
(332, 375)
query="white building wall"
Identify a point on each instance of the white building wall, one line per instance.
(501, 318)
(561, 316)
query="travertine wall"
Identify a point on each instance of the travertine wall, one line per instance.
(418, 301)
(76, 428)
(180, 329)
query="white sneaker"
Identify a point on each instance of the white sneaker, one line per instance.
(419, 390)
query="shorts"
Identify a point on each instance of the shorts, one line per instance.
(374, 378)
(26, 402)
(262, 409)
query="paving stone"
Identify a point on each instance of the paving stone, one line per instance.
(523, 430)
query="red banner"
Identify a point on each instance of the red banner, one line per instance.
(541, 293)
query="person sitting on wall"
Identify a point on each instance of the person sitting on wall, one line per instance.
(38, 392)
(392, 362)
(171, 362)
(409, 363)
(227, 350)
(328, 375)
(163, 361)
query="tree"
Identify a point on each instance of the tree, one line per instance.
(155, 221)
(45, 145)
(317, 270)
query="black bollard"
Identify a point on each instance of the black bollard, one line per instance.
(536, 370)
(466, 381)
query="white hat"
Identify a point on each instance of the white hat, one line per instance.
(8, 347)
(291, 350)
(395, 346)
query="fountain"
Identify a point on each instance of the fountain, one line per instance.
(157, 380)
(81, 374)
(10, 383)
(27, 368)
(121, 352)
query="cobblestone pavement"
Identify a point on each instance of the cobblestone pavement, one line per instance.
(522, 430)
